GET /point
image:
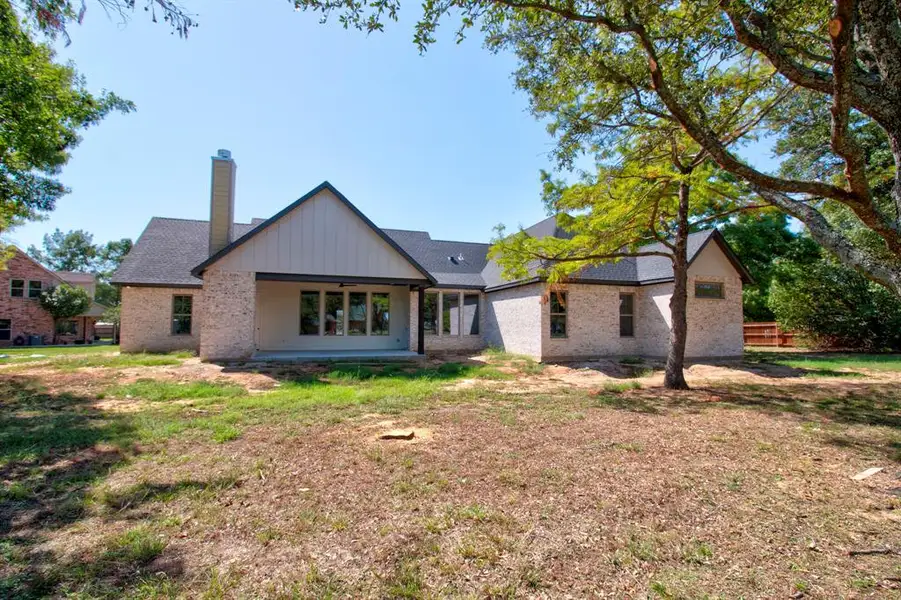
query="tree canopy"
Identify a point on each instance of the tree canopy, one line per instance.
(43, 107)
(679, 59)
(65, 301)
(75, 251)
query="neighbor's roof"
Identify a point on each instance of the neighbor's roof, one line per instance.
(169, 249)
(76, 277)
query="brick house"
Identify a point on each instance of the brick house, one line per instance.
(320, 280)
(21, 314)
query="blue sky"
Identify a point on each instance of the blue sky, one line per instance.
(440, 141)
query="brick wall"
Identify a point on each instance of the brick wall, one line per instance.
(228, 315)
(513, 320)
(26, 315)
(592, 324)
(146, 320)
(445, 342)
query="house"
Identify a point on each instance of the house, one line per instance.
(21, 315)
(319, 279)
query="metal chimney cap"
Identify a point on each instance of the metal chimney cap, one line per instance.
(223, 153)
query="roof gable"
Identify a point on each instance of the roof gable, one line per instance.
(322, 233)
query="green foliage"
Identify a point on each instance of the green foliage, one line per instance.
(76, 251)
(834, 306)
(65, 301)
(43, 106)
(759, 239)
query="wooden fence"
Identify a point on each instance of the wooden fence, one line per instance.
(767, 334)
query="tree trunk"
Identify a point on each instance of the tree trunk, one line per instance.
(678, 304)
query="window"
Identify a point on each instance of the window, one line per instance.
(558, 314)
(626, 315)
(356, 313)
(309, 313)
(181, 314)
(430, 314)
(66, 327)
(381, 304)
(17, 288)
(471, 314)
(6, 326)
(34, 288)
(334, 313)
(450, 315)
(709, 289)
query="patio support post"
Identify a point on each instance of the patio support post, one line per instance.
(420, 322)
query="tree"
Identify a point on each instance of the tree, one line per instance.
(65, 301)
(53, 16)
(76, 251)
(833, 306)
(665, 57)
(663, 188)
(760, 239)
(71, 251)
(43, 106)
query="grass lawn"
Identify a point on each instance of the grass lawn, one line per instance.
(830, 360)
(157, 476)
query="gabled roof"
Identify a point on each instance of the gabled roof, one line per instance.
(173, 252)
(76, 277)
(325, 185)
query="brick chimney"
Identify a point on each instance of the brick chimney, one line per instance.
(222, 201)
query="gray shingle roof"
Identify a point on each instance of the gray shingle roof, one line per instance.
(169, 249)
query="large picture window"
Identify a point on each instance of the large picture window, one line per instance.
(182, 307)
(35, 288)
(334, 313)
(430, 314)
(381, 305)
(709, 289)
(558, 314)
(309, 313)
(6, 326)
(67, 327)
(627, 315)
(471, 314)
(450, 315)
(17, 288)
(356, 313)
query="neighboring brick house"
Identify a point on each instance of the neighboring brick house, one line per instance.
(319, 279)
(21, 315)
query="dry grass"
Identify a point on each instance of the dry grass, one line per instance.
(739, 488)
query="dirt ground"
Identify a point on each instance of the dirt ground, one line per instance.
(547, 485)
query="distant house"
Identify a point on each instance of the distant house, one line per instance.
(21, 315)
(320, 279)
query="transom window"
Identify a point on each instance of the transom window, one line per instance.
(17, 288)
(35, 288)
(6, 326)
(182, 309)
(627, 315)
(709, 289)
(558, 314)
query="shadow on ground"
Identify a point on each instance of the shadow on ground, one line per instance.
(53, 448)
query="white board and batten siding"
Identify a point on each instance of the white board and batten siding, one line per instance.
(322, 236)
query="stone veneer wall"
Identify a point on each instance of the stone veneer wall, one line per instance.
(592, 324)
(146, 321)
(512, 320)
(443, 342)
(228, 316)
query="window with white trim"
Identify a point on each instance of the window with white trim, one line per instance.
(17, 288)
(381, 312)
(309, 313)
